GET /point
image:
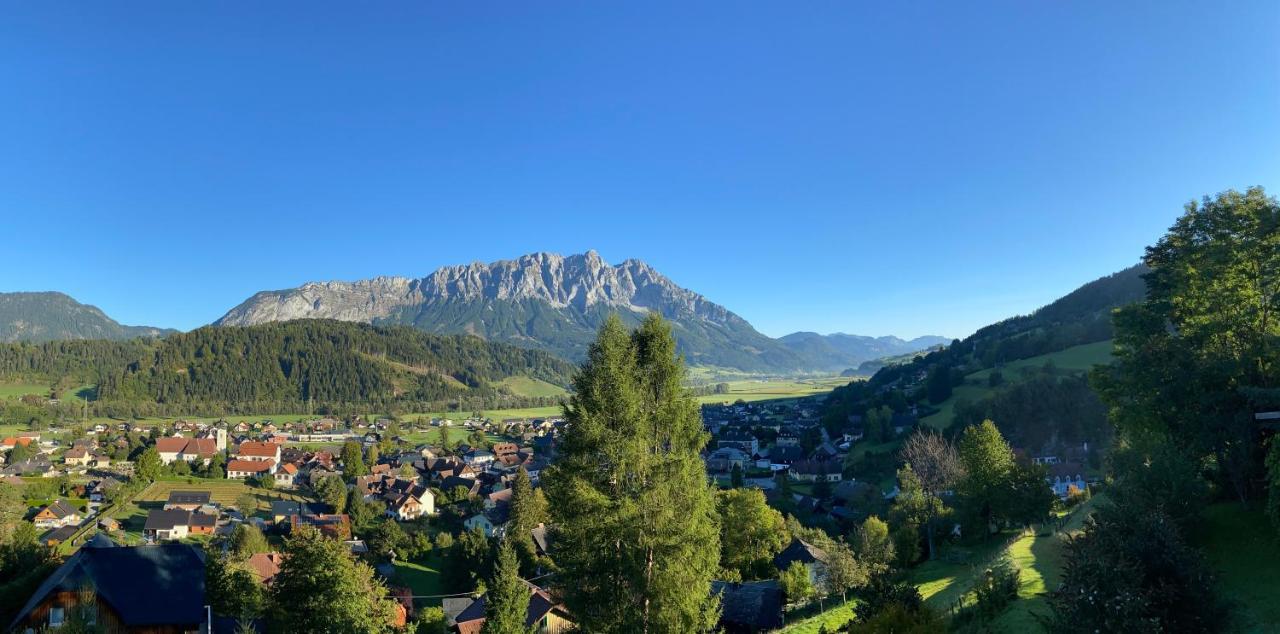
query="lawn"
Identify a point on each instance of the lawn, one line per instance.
(832, 619)
(1244, 549)
(525, 386)
(14, 390)
(421, 577)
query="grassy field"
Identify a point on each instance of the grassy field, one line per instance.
(421, 577)
(525, 386)
(1074, 359)
(14, 390)
(1244, 550)
(831, 619)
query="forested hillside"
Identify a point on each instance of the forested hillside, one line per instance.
(282, 367)
(1080, 317)
(53, 316)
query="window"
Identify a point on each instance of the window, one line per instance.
(56, 616)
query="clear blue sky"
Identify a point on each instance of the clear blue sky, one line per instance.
(842, 166)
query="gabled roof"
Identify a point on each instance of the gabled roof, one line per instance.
(59, 509)
(171, 445)
(162, 520)
(131, 581)
(801, 551)
(250, 466)
(258, 449)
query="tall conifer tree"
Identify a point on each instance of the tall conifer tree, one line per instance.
(638, 539)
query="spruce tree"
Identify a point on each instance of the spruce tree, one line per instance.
(506, 603)
(638, 539)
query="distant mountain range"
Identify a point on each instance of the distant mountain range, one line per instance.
(51, 316)
(838, 351)
(556, 303)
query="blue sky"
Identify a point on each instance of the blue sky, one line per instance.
(858, 167)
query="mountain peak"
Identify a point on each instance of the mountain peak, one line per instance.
(51, 315)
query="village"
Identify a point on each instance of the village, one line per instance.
(401, 504)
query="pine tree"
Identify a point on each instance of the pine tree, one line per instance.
(638, 538)
(506, 605)
(353, 460)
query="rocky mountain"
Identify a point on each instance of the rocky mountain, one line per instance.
(51, 316)
(838, 351)
(541, 300)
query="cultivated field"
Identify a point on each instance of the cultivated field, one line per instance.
(224, 492)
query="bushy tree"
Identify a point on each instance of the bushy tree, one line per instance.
(231, 589)
(321, 588)
(147, 466)
(247, 540)
(638, 539)
(1131, 570)
(751, 533)
(333, 492)
(988, 465)
(874, 545)
(796, 584)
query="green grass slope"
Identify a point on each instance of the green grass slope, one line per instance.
(1074, 359)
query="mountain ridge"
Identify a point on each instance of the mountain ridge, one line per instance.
(39, 316)
(555, 303)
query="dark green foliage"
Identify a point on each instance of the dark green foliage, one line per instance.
(995, 589)
(1132, 571)
(284, 367)
(1082, 316)
(882, 593)
(467, 562)
(1206, 339)
(638, 535)
(321, 588)
(1044, 408)
(507, 600)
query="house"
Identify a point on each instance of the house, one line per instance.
(58, 535)
(482, 522)
(200, 450)
(741, 439)
(541, 540)
(151, 589)
(815, 470)
(1065, 476)
(749, 607)
(544, 615)
(332, 526)
(187, 500)
(265, 566)
(76, 456)
(173, 524)
(58, 513)
(261, 451)
(783, 456)
(408, 506)
(239, 469)
(814, 559)
(725, 459)
(13, 441)
(287, 476)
